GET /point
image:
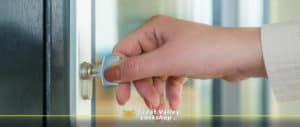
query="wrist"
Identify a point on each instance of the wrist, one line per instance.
(254, 66)
(246, 56)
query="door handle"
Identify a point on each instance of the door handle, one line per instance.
(89, 71)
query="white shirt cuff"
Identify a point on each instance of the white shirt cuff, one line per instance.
(281, 51)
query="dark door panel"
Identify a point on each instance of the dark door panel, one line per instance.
(22, 59)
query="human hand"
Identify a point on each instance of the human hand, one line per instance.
(166, 48)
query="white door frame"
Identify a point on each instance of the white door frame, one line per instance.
(80, 51)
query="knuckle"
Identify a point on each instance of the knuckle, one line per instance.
(132, 34)
(116, 48)
(176, 82)
(158, 18)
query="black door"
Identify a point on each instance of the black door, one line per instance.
(34, 62)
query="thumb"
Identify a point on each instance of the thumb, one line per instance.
(136, 67)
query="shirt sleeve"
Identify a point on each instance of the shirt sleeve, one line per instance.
(281, 52)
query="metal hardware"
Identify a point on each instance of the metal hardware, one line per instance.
(86, 89)
(88, 71)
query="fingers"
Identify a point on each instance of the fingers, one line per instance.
(159, 86)
(123, 93)
(148, 92)
(173, 91)
(142, 44)
(144, 39)
(152, 91)
(138, 67)
(140, 47)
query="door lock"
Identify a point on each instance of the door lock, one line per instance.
(89, 71)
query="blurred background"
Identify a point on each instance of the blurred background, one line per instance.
(113, 19)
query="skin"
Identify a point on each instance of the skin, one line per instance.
(165, 48)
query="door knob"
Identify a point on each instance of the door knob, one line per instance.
(89, 71)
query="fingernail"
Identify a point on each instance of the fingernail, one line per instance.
(174, 106)
(113, 74)
(161, 106)
(155, 103)
(148, 104)
(120, 102)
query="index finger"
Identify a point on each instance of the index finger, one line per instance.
(143, 39)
